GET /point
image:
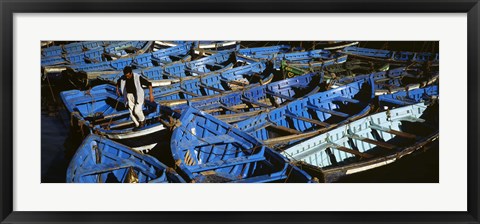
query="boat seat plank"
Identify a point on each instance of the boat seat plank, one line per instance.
(281, 128)
(351, 151)
(194, 71)
(374, 142)
(226, 163)
(412, 119)
(233, 82)
(188, 92)
(346, 99)
(332, 112)
(222, 105)
(319, 123)
(252, 101)
(211, 88)
(115, 125)
(393, 132)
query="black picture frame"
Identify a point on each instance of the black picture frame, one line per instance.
(9, 7)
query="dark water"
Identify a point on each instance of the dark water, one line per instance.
(58, 142)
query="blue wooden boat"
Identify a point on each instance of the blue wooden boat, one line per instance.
(169, 73)
(143, 60)
(99, 160)
(392, 55)
(207, 86)
(52, 51)
(304, 57)
(333, 68)
(303, 68)
(312, 115)
(240, 105)
(93, 52)
(392, 80)
(212, 45)
(269, 50)
(99, 110)
(369, 142)
(408, 97)
(206, 149)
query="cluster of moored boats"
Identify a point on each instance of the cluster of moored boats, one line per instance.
(227, 113)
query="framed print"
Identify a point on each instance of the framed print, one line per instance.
(269, 111)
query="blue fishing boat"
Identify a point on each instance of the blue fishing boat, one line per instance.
(303, 68)
(392, 80)
(52, 51)
(93, 52)
(99, 160)
(211, 45)
(304, 57)
(240, 105)
(312, 115)
(207, 86)
(206, 149)
(141, 60)
(367, 143)
(333, 68)
(392, 55)
(169, 73)
(269, 50)
(408, 97)
(99, 110)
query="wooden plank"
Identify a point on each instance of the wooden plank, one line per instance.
(351, 151)
(121, 124)
(323, 124)
(252, 101)
(211, 88)
(332, 112)
(187, 92)
(230, 109)
(234, 82)
(282, 128)
(375, 142)
(393, 132)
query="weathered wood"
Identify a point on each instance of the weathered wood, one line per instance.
(394, 132)
(282, 128)
(187, 92)
(332, 112)
(351, 151)
(323, 124)
(252, 101)
(233, 82)
(211, 88)
(375, 142)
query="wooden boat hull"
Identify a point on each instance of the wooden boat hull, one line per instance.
(407, 97)
(99, 160)
(369, 142)
(240, 105)
(312, 115)
(208, 150)
(101, 111)
(392, 55)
